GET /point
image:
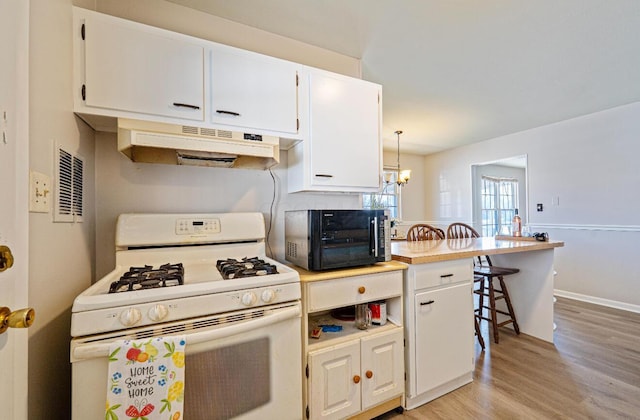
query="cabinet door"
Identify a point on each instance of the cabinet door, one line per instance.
(444, 336)
(382, 367)
(345, 132)
(253, 91)
(131, 67)
(334, 381)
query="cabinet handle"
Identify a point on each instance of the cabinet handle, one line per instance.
(324, 175)
(446, 275)
(222, 111)
(361, 290)
(429, 302)
(185, 105)
(356, 379)
(369, 374)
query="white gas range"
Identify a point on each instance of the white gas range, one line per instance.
(197, 242)
(206, 276)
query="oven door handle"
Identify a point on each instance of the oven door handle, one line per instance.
(91, 351)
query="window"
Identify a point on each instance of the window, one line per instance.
(499, 197)
(387, 198)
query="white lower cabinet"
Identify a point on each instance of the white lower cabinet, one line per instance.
(354, 376)
(439, 329)
(443, 330)
(352, 372)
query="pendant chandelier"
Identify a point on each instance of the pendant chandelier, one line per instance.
(403, 175)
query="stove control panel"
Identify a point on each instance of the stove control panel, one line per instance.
(197, 226)
(169, 310)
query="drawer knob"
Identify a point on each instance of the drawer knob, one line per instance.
(361, 290)
(356, 379)
(369, 374)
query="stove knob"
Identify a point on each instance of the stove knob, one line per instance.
(249, 298)
(130, 317)
(158, 313)
(267, 296)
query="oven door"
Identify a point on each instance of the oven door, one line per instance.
(244, 365)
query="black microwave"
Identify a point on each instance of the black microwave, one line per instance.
(329, 239)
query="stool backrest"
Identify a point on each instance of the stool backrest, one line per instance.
(460, 230)
(424, 232)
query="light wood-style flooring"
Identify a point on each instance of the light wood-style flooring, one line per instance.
(591, 371)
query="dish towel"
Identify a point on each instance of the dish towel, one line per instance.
(146, 379)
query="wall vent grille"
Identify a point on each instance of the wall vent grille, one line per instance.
(69, 187)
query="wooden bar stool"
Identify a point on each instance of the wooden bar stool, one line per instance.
(484, 274)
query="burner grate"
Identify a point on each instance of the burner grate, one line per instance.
(247, 267)
(147, 277)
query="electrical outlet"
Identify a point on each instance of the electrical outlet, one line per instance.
(539, 207)
(39, 192)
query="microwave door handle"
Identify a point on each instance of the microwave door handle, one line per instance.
(374, 248)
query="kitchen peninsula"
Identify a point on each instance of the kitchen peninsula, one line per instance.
(438, 305)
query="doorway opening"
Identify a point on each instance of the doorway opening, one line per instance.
(498, 188)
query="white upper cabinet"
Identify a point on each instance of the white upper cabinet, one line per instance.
(253, 91)
(138, 69)
(344, 149)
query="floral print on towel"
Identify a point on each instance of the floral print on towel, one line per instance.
(146, 379)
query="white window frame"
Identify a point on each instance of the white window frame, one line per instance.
(498, 202)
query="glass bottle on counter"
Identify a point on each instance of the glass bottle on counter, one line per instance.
(516, 225)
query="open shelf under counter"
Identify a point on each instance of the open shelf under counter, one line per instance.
(349, 330)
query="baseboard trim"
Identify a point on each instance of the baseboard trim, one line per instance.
(597, 301)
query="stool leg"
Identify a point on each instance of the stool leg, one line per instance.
(492, 305)
(481, 299)
(507, 300)
(480, 339)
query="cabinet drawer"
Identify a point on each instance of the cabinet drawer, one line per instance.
(441, 273)
(353, 290)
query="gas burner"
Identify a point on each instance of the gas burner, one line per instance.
(247, 267)
(139, 278)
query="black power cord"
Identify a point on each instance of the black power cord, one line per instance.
(273, 201)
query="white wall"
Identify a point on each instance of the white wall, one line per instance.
(170, 16)
(412, 200)
(588, 163)
(61, 254)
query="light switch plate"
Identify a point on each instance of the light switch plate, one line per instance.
(39, 192)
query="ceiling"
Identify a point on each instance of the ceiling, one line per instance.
(455, 72)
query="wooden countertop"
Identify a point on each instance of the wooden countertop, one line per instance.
(309, 276)
(419, 252)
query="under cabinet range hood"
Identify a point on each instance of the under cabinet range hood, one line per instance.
(154, 142)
